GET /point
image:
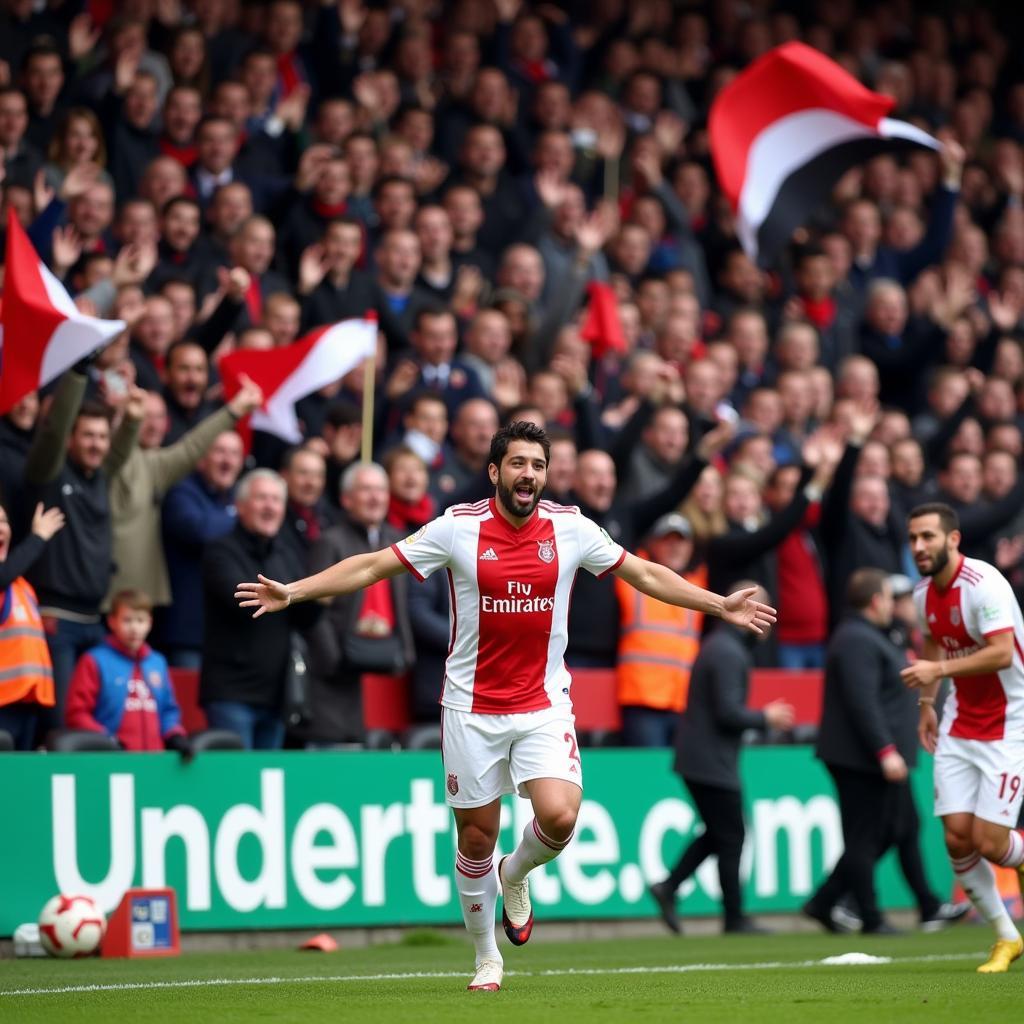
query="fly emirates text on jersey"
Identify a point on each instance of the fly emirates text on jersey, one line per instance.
(518, 601)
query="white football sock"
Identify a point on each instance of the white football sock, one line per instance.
(477, 885)
(534, 849)
(1014, 856)
(978, 880)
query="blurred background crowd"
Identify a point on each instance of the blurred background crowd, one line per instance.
(226, 174)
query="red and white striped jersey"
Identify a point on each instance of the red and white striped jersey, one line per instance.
(510, 591)
(978, 603)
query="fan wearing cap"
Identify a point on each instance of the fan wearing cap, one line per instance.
(658, 643)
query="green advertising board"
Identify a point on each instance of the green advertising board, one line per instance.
(296, 839)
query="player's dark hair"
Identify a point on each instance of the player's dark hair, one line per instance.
(863, 586)
(517, 430)
(948, 519)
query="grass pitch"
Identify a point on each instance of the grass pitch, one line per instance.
(771, 978)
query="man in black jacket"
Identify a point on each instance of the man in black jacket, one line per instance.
(594, 612)
(244, 662)
(368, 631)
(868, 742)
(70, 465)
(707, 759)
(859, 526)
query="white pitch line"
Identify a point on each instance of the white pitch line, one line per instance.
(772, 965)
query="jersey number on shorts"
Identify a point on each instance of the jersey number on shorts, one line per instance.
(1011, 783)
(573, 754)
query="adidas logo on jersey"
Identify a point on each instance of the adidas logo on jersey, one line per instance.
(489, 556)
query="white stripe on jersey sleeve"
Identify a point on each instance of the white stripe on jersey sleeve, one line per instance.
(429, 548)
(598, 552)
(990, 602)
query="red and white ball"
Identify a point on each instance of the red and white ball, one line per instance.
(71, 926)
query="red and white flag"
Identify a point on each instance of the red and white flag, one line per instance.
(294, 371)
(785, 130)
(41, 331)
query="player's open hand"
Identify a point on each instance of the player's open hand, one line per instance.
(264, 596)
(742, 610)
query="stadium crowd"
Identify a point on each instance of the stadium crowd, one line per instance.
(225, 175)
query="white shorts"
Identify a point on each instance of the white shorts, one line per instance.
(980, 777)
(486, 756)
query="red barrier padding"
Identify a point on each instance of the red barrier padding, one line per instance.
(386, 698)
(804, 690)
(186, 688)
(386, 702)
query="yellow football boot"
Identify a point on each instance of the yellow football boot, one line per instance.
(1001, 955)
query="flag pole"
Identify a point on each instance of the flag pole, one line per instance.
(369, 388)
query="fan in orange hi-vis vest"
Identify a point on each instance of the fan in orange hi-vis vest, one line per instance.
(26, 672)
(658, 643)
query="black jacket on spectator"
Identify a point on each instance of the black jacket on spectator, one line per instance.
(131, 149)
(903, 361)
(334, 684)
(182, 420)
(981, 521)
(147, 375)
(302, 225)
(594, 612)
(505, 214)
(866, 705)
(75, 568)
(716, 715)
(327, 304)
(244, 659)
(849, 542)
(429, 616)
(14, 447)
(742, 554)
(22, 165)
(904, 497)
(296, 528)
(197, 267)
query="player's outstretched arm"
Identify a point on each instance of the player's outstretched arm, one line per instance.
(344, 577)
(661, 583)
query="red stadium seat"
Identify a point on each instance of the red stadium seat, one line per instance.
(386, 702)
(186, 688)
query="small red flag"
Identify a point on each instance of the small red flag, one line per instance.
(602, 327)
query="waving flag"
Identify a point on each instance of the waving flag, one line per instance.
(294, 371)
(785, 130)
(41, 331)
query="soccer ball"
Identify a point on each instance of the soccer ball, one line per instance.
(71, 926)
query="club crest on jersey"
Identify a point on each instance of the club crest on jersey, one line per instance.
(413, 537)
(453, 783)
(546, 551)
(954, 616)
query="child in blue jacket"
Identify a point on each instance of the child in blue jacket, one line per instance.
(121, 687)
